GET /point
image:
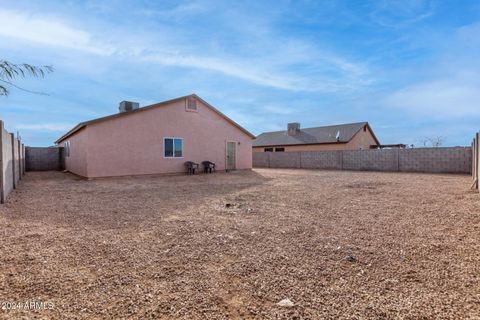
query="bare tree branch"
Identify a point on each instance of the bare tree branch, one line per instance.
(9, 71)
(433, 142)
(20, 88)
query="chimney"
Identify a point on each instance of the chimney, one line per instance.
(293, 128)
(126, 106)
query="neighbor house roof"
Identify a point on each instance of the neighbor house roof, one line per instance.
(317, 135)
(82, 125)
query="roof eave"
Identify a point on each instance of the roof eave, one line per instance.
(373, 134)
(225, 117)
(298, 144)
(69, 133)
(116, 115)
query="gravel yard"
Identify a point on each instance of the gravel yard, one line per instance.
(337, 244)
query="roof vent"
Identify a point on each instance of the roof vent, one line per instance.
(293, 128)
(126, 106)
(191, 104)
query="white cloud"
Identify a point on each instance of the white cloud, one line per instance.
(275, 62)
(277, 109)
(441, 98)
(47, 31)
(401, 13)
(230, 68)
(184, 9)
(44, 126)
(295, 66)
(450, 79)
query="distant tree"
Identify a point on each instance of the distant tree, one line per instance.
(10, 71)
(437, 141)
(434, 142)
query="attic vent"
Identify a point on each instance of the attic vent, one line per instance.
(127, 106)
(191, 104)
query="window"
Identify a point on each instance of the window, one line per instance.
(191, 104)
(66, 147)
(279, 149)
(268, 149)
(173, 147)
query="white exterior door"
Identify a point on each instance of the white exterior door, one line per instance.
(231, 155)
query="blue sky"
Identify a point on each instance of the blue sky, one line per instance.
(410, 68)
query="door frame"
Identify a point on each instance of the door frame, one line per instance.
(226, 154)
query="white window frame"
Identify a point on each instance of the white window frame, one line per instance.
(173, 138)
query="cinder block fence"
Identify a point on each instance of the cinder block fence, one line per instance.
(434, 160)
(44, 158)
(12, 162)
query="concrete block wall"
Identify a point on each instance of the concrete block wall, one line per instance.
(476, 162)
(434, 160)
(447, 160)
(261, 159)
(371, 160)
(16, 163)
(284, 160)
(7, 164)
(11, 162)
(21, 155)
(321, 160)
(44, 158)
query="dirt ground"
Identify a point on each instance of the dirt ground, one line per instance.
(347, 245)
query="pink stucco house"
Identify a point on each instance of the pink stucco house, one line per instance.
(156, 139)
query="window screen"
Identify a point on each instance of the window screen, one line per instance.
(178, 148)
(173, 147)
(268, 149)
(168, 147)
(279, 149)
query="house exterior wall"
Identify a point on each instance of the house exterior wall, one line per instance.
(308, 147)
(76, 162)
(133, 144)
(362, 140)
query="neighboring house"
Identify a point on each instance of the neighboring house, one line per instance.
(351, 136)
(156, 139)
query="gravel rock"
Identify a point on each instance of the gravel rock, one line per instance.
(169, 248)
(285, 303)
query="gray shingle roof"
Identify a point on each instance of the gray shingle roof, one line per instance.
(315, 135)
